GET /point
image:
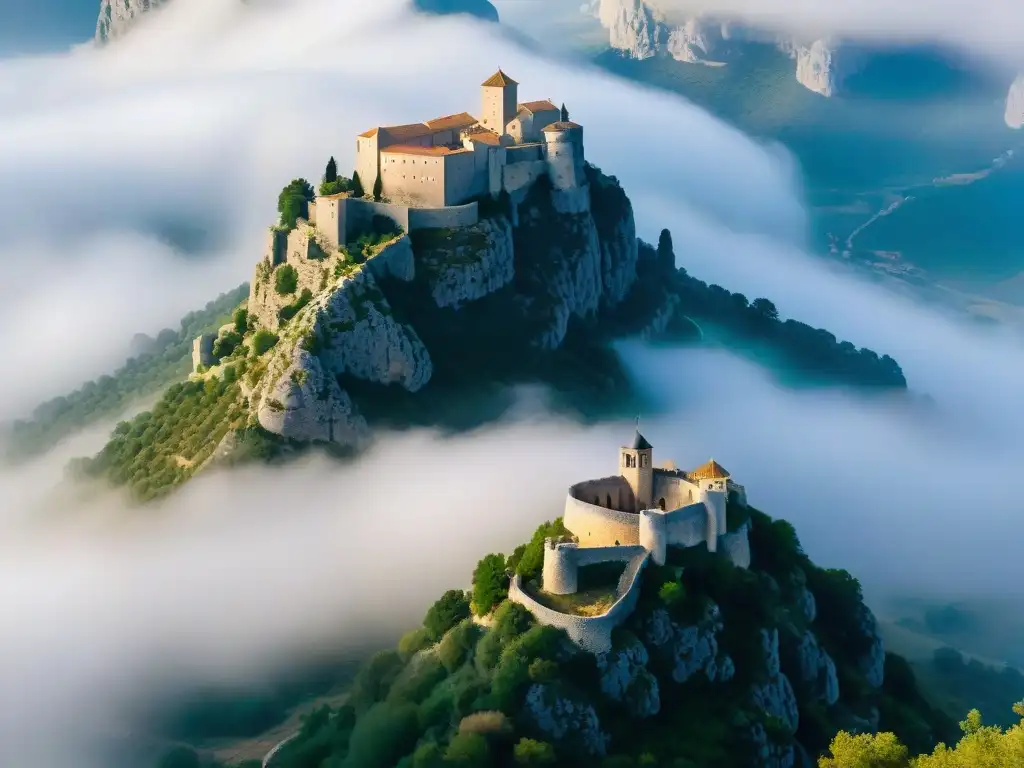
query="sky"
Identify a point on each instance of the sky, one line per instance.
(198, 119)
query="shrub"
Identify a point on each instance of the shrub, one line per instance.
(226, 344)
(531, 561)
(510, 621)
(293, 202)
(413, 642)
(672, 593)
(543, 670)
(428, 755)
(448, 611)
(417, 680)
(490, 584)
(263, 341)
(385, 733)
(486, 723)
(511, 678)
(289, 311)
(530, 753)
(373, 680)
(456, 644)
(334, 187)
(241, 320)
(286, 279)
(469, 750)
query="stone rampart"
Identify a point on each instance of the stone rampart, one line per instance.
(450, 217)
(359, 215)
(672, 491)
(688, 526)
(394, 260)
(592, 633)
(613, 492)
(562, 561)
(598, 526)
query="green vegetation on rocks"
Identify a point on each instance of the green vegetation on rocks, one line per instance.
(159, 363)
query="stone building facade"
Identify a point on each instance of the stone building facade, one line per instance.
(457, 158)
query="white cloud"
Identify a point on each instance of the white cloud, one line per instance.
(193, 117)
(988, 28)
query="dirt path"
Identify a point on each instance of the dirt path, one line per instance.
(257, 747)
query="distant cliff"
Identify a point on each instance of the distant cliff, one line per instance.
(1015, 103)
(118, 16)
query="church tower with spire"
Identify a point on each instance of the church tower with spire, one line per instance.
(637, 469)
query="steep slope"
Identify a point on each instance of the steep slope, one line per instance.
(718, 665)
(431, 329)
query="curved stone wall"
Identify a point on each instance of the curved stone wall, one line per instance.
(598, 526)
(687, 527)
(591, 633)
(559, 575)
(654, 534)
(449, 217)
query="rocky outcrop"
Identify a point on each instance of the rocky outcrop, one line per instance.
(118, 16)
(769, 753)
(566, 720)
(616, 232)
(872, 662)
(202, 351)
(625, 678)
(690, 649)
(632, 27)
(467, 264)
(817, 670)
(694, 41)
(823, 65)
(775, 696)
(1015, 104)
(303, 402)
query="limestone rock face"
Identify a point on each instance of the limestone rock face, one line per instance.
(564, 720)
(1015, 103)
(690, 649)
(632, 27)
(872, 663)
(817, 669)
(302, 402)
(358, 335)
(616, 232)
(769, 753)
(823, 65)
(694, 41)
(118, 16)
(775, 695)
(624, 677)
(469, 263)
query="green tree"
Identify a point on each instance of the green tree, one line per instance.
(469, 750)
(286, 279)
(444, 614)
(331, 173)
(378, 188)
(672, 592)
(530, 753)
(490, 584)
(357, 186)
(293, 202)
(666, 254)
(263, 341)
(241, 319)
(766, 309)
(866, 750)
(382, 736)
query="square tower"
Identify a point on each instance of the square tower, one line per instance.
(499, 102)
(637, 469)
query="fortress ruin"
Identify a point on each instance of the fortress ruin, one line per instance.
(634, 517)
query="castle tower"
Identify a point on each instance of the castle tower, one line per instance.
(499, 102)
(637, 468)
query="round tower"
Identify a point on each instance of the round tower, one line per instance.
(714, 503)
(559, 572)
(636, 465)
(563, 146)
(654, 534)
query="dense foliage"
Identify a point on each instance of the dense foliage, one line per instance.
(454, 693)
(162, 448)
(293, 202)
(981, 746)
(165, 359)
(490, 584)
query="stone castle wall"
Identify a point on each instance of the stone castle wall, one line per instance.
(450, 217)
(736, 546)
(598, 526)
(562, 561)
(594, 633)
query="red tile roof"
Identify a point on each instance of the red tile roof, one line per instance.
(538, 106)
(452, 122)
(710, 471)
(415, 149)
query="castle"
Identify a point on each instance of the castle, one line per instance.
(432, 174)
(634, 517)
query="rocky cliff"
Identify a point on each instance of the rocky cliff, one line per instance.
(1015, 104)
(640, 30)
(118, 16)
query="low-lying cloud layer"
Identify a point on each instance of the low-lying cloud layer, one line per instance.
(205, 115)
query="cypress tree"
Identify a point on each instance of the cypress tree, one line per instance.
(357, 185)
(331, 174)
(378, 188)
